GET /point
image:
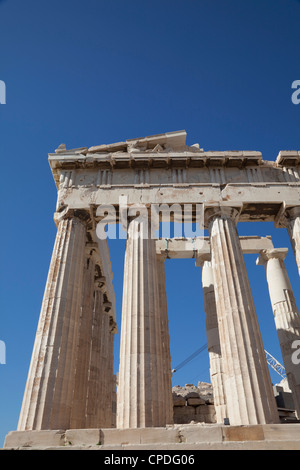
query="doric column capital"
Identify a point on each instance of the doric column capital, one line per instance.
(286, 214)
(201, 258)
(66, 213)
(266, 255)
(223, 211)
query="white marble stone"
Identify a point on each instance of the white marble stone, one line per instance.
(286, 315)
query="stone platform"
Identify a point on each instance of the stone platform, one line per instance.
(176, 437)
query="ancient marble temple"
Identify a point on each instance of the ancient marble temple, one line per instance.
(71, 383)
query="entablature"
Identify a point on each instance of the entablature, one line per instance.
(163, 169)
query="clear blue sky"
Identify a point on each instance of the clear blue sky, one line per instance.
(91, 72)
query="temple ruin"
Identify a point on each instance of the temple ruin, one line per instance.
(71, 386)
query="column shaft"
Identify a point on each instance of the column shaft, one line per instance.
(213, 341)
(106, 372)
(286, 315)
(100, 369)
(48, 393)
(140, 383)
(165, 341)
(248, 388)
(78, 414)
(95, 403)
(293, 226)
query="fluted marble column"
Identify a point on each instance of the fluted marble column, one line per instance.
(78, 412)
(293, 226)
(99, 399)
(49, 389)
(213, 340)
(106, 354)
(286, 314)
(166, 357)
(248, 388)
(140, 381)
(95, 402)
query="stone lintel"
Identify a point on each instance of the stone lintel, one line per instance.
(259, 203)
(199, 247)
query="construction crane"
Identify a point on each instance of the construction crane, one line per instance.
(275, 365)
(189, 358)
(270, 360)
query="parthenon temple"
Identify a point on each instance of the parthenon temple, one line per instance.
(71, 383)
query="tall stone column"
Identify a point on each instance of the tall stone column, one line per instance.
(49, 389)
(213, 340)
(140, 381)
(111, 382)
(293, 226)
(286, 314)
(248, 388)
(83, 353)
(95, 393)
(165, 340)
(99, 400)
(106, 356)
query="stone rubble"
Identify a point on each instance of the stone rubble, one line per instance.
(193, 403)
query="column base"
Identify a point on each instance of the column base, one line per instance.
(173, 437)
